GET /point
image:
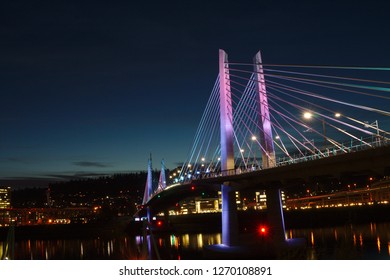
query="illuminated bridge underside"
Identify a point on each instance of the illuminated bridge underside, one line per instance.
(370, 162)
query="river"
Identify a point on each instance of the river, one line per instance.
(364, 241)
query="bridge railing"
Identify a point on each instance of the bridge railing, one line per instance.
(345, 147)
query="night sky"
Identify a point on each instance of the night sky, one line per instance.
(92, 87)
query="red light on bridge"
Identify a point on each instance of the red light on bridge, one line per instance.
(192, 188)
(263, 230)
(159, 223)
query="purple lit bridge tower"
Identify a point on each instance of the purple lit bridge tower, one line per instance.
(229, 207)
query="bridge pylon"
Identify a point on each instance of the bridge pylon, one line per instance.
(162, 183)
(148, 189)
(274, 201)
(229, 207)
(266, 140)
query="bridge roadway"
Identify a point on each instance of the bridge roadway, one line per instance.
(371, 162)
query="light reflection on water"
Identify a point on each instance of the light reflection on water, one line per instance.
(125, 247)
(368, 241)
(192, 241)
(118, 248)
(388, 247)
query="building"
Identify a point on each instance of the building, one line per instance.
(197, 205)
(5, 197)
(5, 205)
(261, 200)
(238, 200)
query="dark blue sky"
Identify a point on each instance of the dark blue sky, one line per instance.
(92, 87)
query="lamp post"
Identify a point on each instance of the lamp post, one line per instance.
(309, 115)
(324, 130)
(254, 138)
(373, 125)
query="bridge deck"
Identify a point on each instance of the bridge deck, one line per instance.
(373, 162)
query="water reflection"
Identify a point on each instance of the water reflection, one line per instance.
(388, 247)
(185, 245)
(118, 248)
(126, 247)
(312, 238)
(347, 242)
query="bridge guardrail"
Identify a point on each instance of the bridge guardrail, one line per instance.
(345, 147)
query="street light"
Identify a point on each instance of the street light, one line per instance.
(373, 125)
(309, 115)
(254, 138)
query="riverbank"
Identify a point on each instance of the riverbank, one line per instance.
(249, 221)
(103, 229)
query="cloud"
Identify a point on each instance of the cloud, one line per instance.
(26, 182)
(90, 164)
(44, 180)
(75, 175)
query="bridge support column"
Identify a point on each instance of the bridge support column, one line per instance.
(229, 217)
(229, 207)
(148, 189)
(274, 201)
(275, 215)
(166, 216)
(149, 214)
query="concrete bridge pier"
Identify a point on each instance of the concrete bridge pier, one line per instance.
(275, 216)
(229, 216)
(167, 219)
(166, 216)
(148, 214)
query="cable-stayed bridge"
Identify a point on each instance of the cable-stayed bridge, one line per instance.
(266, 125)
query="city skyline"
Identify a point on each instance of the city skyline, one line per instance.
(91, 89)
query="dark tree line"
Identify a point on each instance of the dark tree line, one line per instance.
(127, 186)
